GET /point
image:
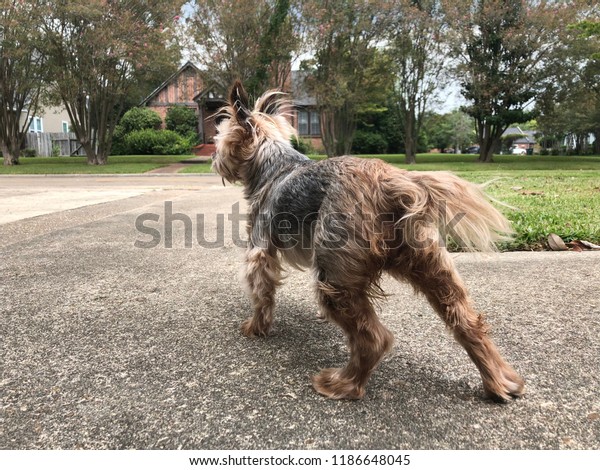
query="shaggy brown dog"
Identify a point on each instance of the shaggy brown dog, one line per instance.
(349, 220)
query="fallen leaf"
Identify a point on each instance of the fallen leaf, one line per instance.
(517, 188)
(556, 243)
(581, 245)
(593, 416)
(591, 246)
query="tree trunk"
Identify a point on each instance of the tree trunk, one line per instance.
(410, 150)
(10, 154)
(10, 160)
(489, 139)
(410, 143)
(337, 130)
(486, 151)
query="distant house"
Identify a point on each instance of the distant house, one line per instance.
(520, 138)
(49, 131)
(306, 118)
(186, 88)
(51, 119)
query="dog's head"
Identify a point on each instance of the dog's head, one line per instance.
(242, 132)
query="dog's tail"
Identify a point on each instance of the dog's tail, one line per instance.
(442, 203)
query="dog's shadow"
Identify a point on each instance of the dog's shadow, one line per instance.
(304, 345)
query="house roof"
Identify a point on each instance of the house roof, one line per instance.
(527, 137)
(300, 95)
(525, 140)
(164, 84)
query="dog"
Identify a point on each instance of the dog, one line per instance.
(349, 220)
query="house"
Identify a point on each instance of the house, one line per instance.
(519, 138)
(50, 132)
(51, 119)
(305, 117)
(186, 88)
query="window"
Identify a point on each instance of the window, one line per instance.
(315, 126)
(65, 127)
(308, 123)
(302, 122)
(36, 125)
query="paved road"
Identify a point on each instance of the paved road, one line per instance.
(105, 345)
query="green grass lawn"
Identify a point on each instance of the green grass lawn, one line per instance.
(78, 165)
(550, 194)
(198, 168)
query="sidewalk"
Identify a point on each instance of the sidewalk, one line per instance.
(105, 345)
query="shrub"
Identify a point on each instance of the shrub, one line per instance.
(137, 119)
(182, 120)
(302, 145)
(29, 152)
(153, 142)
(544, 152)
(369, 143)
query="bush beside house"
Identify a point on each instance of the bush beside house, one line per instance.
(139, 133)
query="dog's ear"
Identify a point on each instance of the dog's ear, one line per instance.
(238, 99)
(271, 102)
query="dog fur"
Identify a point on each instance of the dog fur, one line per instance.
(349, 220)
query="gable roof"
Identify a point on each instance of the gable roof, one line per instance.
(301, 96)
(164, 84)
(527, 137)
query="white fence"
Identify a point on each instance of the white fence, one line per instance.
(43, 142)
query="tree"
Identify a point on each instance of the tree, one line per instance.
(455, 129)
(570, 109)
(347, 69)
(99, 52)
(21, 74)
(418, 50)
(503, 49)
(253, 41)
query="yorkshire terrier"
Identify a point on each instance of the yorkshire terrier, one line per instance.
(349, 220)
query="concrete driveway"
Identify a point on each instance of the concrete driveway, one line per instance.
(107, 345)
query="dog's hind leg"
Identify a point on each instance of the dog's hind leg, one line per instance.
(368, 340)
(431, 271)
(262, 275)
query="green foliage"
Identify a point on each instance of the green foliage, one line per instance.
(302, 145)
(249, 40)
(22, 73)
(155, 142)
(505, 50)
(137, 119)
(348, 67)
(366, 142)
(100, 54)
(29, 152)
(182, 120)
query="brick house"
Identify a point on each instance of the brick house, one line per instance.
(186, 88)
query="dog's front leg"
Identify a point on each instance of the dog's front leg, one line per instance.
(262, 275)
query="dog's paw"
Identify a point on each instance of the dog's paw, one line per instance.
(332, 384)
(251, 328)
(507, 385)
